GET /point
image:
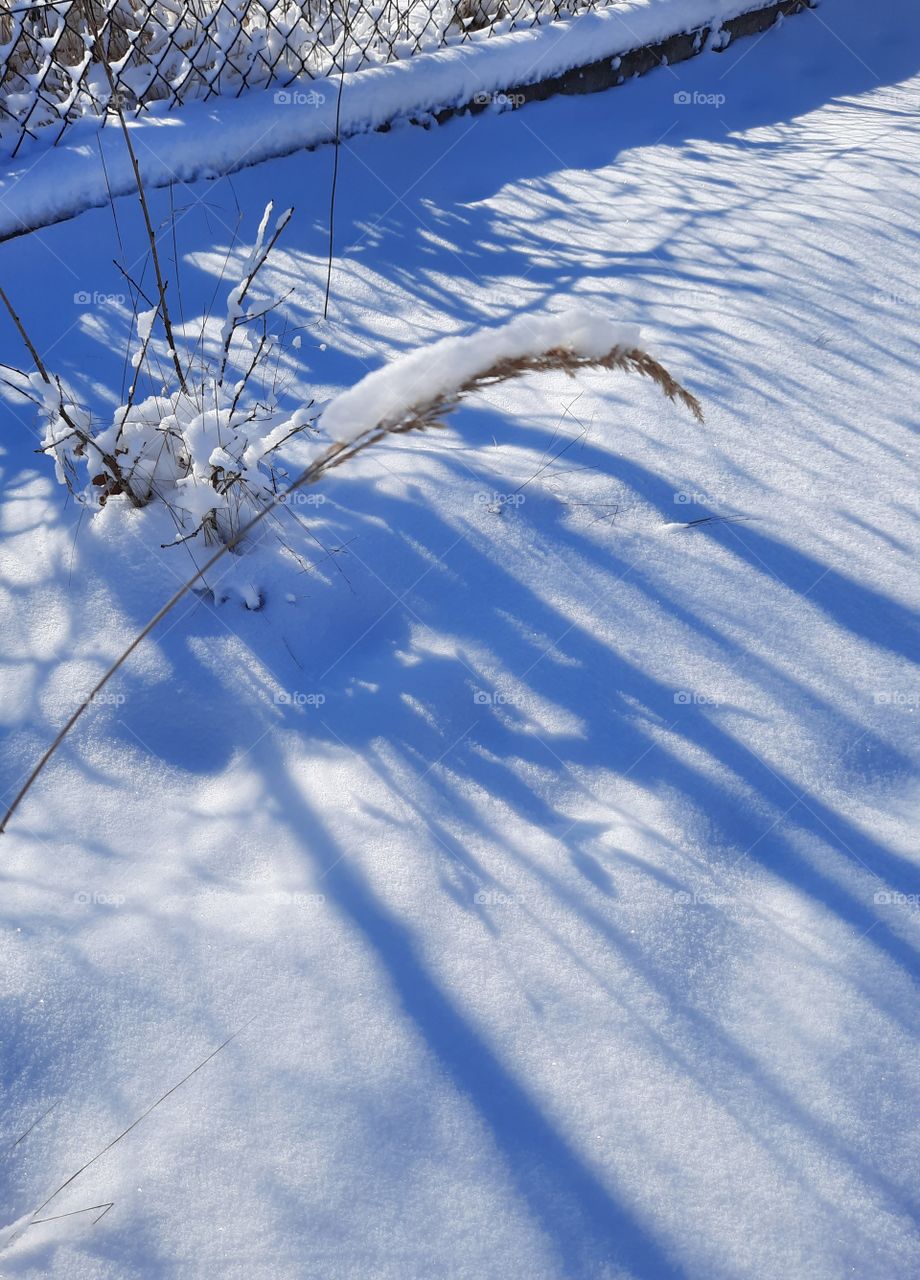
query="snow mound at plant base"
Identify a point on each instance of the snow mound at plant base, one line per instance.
(210, 471)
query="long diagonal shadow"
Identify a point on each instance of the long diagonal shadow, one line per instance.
(586, 1225)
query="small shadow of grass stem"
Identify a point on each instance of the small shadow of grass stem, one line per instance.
(419, 417)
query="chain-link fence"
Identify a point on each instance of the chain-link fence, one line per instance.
(64, 59)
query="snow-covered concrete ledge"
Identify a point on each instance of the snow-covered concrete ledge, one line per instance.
(583, 54)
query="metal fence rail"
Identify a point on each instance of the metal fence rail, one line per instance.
(60, 60)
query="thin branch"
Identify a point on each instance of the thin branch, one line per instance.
(131, 281)
(25, 337)
(257, 356)
(335, 171)
(74, 1213)
(22, 1137)
(39, 364)
(142, 196)
(417, 418)
(259, 256)
(124, 1133)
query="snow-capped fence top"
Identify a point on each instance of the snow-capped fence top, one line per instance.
(61, 60)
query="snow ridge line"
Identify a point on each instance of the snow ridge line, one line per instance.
(583, 54)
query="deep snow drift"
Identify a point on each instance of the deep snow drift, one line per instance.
(548, 837)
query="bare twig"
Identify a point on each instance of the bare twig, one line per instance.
(124, 1133)
(337, 146)
(259, 256)
(25, 337)
(417, 418)
(141, 194)
(22, 1137)
(131, 281)
(74, 1213)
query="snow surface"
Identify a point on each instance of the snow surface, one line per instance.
(557, 868)
(227, 54)
(220, 136)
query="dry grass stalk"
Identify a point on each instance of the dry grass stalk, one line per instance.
(418, 418)
(141, 195)
(558, 358)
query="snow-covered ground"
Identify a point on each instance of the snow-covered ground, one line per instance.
(211, 50)
(552, 863)
(44, 184)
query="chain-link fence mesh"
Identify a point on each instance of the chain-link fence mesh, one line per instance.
(64, 59)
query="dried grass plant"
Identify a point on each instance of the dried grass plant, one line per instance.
(418, 417)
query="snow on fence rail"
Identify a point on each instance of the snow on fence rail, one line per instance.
(61, 60)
